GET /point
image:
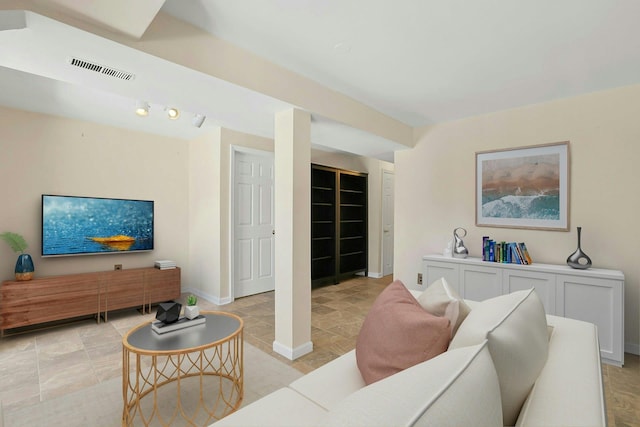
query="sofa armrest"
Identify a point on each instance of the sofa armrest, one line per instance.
(569, 390)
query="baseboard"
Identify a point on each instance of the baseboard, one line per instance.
(632, 348)
(292, 353)
(209, 297)
(371, 274)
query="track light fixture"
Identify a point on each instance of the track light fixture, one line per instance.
(198, 120)
(172, 113)
(142, 108)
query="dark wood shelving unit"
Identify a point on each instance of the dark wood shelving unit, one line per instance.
(338, 224)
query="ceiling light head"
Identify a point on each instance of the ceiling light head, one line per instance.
(142, 108)
(198, 120)
(172, 113)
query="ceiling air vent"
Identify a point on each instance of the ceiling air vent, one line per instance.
(92, 66)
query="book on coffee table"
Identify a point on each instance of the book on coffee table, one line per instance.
(161, 328)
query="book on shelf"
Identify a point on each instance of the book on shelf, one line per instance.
(485, 249)
(525, 252)
(165, 264)
(505, 252)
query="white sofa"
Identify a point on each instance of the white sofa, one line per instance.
(471, 384)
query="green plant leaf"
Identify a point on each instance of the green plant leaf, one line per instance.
(192, 300)
(16, 241)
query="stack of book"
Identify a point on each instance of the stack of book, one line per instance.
(505, 252)
(165, 264)
(161, 328)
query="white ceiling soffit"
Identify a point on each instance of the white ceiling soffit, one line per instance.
(36, 75)
(131, 18)
(338, 137)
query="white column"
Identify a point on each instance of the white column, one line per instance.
(293, 233)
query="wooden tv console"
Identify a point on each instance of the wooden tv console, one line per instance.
(47, 299)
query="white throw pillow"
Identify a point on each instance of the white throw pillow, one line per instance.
(440, 299)
(516, 327)
(456, 388)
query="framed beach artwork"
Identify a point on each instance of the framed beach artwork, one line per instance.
(526, 187)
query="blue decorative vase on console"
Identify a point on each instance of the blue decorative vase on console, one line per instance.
(24, 267)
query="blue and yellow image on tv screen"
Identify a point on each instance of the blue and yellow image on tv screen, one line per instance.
(73, 225)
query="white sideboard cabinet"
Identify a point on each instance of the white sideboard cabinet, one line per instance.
(593, 295)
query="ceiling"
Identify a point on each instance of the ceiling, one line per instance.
(418, 61)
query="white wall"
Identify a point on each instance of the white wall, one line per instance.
(435, 186)
(189, 182)
(42, 154)
(203, 277)
(210, 198)
(210, 205)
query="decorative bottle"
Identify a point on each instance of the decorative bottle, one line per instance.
(579, 259)
(459, 250)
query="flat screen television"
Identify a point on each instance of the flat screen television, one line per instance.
(73, 225)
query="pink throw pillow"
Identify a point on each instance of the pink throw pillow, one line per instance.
(397, 334)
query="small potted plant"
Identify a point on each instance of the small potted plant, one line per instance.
(24, 265)
(191, 311)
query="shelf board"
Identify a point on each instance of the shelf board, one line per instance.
(352, 238)
(321, 258)
(323, 188)
(352, 253)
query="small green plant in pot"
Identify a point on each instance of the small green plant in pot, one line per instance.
(191, 311)
(24, 265)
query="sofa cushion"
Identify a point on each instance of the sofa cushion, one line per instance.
(331, 383)
(440, 299)
(457, 388)
(516, 327)
(283, 407)
(398, 333)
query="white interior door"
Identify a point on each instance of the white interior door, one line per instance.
(253, 241)
(387, 223)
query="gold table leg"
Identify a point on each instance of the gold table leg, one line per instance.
(219, 366)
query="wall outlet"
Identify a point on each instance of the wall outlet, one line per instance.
(117, 267)
(419, 278)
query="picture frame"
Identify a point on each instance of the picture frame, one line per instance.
(524, 187)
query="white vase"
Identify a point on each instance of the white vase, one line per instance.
(191, 312)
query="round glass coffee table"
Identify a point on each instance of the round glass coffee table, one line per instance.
(193, 375)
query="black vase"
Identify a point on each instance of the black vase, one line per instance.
(579, 259)
(24, 267)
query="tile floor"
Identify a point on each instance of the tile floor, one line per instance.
(42, 364)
